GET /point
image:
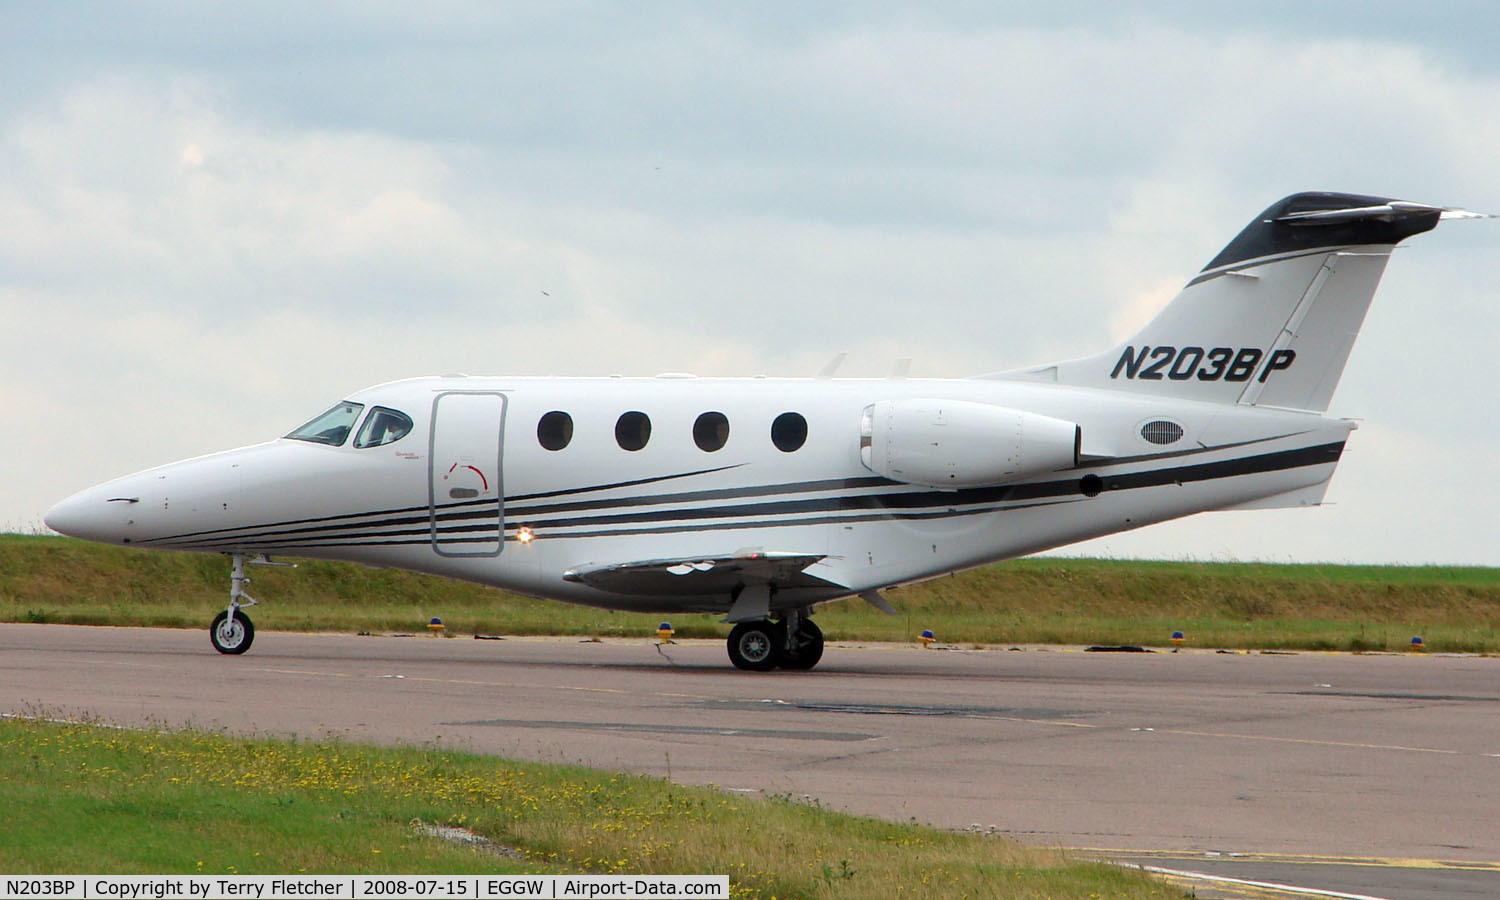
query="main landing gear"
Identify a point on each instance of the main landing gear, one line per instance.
(761, 645)
(231, 631)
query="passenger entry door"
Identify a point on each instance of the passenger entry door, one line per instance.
(465, 499)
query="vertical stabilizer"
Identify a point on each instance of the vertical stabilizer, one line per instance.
(1271, 320)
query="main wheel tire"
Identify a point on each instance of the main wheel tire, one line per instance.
(231, 637)
(755, 645)
(806, 650)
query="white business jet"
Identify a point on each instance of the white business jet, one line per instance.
(760, 498)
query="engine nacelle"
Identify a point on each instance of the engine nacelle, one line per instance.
(958, 443)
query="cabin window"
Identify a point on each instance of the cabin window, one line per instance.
(711, 431)
(332, 427)
(789, 432)
(383, 426)
(555, 430)
(632, 431)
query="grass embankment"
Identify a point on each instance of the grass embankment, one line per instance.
(87, 799)
(1071, 601)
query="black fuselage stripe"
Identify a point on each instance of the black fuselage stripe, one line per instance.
(1177, 454)
(423, 535)
(516, 508)
(487, 511)
(1322, 454)
(563, 492)
(803, 487)
(481, 509)
(673, 529)
(342, 520)
(902, 505)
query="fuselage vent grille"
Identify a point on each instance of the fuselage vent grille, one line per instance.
(1161, 431)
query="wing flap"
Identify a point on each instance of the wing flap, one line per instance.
(697, 575)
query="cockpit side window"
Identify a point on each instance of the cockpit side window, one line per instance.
(383, 426)
(332, 427)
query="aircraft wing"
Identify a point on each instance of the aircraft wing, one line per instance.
(699, 574)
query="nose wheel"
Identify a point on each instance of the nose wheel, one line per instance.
(231, 631)
(231, 635)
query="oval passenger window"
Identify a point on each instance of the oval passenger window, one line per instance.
(554, 431)
(711, 431)
(789, 432)
(632, 431)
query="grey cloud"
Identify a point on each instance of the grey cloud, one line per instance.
(221, 214)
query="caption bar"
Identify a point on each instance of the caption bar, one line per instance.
(362, 887)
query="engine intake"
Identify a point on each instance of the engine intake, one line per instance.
(958, 443)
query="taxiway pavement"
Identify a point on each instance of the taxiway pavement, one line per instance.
(1375, 760)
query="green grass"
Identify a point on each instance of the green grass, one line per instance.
(1040, 600)
(83, 799)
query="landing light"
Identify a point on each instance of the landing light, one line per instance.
(525, 535)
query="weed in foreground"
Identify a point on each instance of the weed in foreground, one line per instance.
(101, 799)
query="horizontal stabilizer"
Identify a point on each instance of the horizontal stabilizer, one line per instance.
(1390, 211)
(699, 575)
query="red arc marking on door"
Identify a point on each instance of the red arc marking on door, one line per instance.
(482, 480)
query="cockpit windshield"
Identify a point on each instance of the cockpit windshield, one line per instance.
(332, 427)
(383, 426)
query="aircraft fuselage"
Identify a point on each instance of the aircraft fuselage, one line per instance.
(540, 513)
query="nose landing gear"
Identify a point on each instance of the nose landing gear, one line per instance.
(232, 631)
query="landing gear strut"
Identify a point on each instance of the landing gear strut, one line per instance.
(803, 643)
(232, 631)
(761, 645)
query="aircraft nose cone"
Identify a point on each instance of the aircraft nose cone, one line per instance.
(66, 517)
(88, 516)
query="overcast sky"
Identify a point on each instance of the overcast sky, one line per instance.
(218, 219)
